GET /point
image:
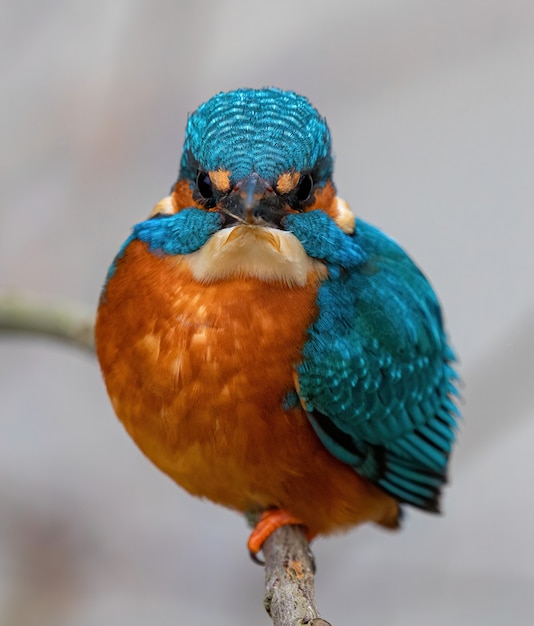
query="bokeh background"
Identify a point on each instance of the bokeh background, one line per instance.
(431, 107)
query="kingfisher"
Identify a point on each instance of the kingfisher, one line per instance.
(266, 349)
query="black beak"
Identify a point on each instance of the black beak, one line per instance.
(253, 201)
(251, 192)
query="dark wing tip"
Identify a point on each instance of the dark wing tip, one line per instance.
(412, 473)
(411, 483)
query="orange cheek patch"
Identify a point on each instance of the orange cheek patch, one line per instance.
(325, 200)
(336, 208)
(182, 196)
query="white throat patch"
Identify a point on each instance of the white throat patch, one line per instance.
(269, 254)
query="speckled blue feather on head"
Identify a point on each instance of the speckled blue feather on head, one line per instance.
(267, 131)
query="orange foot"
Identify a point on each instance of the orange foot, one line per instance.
(269, 521)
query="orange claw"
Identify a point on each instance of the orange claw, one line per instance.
(269, 521)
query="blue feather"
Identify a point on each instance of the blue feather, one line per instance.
(376, 372)
(179, 233)
(278, 131)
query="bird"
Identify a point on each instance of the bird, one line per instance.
(268, 350)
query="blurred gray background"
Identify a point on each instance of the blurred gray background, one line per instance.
(431, 107)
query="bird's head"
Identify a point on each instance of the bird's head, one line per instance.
(255, 157)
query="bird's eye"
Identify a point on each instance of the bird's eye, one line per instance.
(204, 185)
(304, 187)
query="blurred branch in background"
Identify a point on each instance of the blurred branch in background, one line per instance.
(289, 563)
(62, 320)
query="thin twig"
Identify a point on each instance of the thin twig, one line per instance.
(289, 563)
(59, 320)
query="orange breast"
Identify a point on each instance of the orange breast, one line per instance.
(198, 374)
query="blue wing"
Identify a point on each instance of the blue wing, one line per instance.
(377, 377)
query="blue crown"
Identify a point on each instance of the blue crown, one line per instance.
(267, 131)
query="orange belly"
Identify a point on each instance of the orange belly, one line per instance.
(198, 374)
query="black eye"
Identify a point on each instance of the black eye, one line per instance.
(304, 188)
(204, 185)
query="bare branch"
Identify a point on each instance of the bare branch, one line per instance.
(60, 320)
(289, 579)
